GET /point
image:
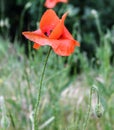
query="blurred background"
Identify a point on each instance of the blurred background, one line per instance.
(68, 80)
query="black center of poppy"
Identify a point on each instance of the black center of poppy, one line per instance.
(48, 33)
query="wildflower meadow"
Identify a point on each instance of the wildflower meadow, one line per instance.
(56, 65)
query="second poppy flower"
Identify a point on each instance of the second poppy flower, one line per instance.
(52, 3)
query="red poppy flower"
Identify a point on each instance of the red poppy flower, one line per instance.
(52, 3)
(52, 32)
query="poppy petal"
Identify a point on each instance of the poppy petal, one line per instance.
(49, 21)
(37, 38)
(58, 30)
(50, 3)
(66, 35)
(63, 47)
(36, 46)
(39, 32)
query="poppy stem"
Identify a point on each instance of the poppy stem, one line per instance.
(36, 112)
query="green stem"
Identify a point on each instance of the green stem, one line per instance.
(89, 110)
(36, 113)
(97, 92)
(98, 98)
(40, 9)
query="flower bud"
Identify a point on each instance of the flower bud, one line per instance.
(94, 13)
(28, 5)
(99, 110)
(1, 23)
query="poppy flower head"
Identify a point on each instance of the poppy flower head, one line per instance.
(48, 22)
(52, 3)
(52, 32)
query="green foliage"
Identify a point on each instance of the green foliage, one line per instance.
(60, 106)
(67, 81)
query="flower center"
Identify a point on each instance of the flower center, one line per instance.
(48, 33)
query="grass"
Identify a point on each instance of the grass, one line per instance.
(64, 98)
